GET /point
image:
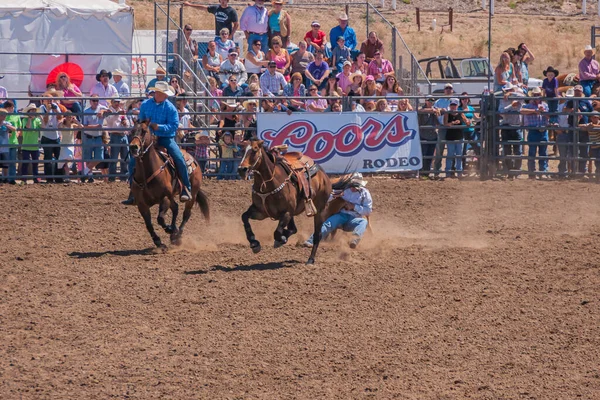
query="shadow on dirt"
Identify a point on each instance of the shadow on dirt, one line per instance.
(244, 267)
(120, 253)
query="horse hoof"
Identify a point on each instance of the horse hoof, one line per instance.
(310, 261)
(277, 244)
(255, 247)
(169, 230)
(176, 241)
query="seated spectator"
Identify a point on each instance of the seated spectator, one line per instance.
(331, 103)
(340, 54)
(200, 150)
(233, 67)
(344, 76)
(294, 90)
(392, 91)
(336, 107)
(342, 29)
(300, 59)
(253, 90)
(280, 24)
(370, 46)
(272, 81)
(270, 105)
(332, 87)
(360, 65)
(404, 105)
(174, 82)
(224, 44)
(380, 67)
(214, 91)
(161, 75)
(255, 61)
(382, 106)
(31, 141)
(370, 106)
(318, 71)
(120, 84)
(69, 89)
(315, 105)
(370, 88)
(355, 87)
(212, 60)
(316, 39)
(280, 56)
(233, 90)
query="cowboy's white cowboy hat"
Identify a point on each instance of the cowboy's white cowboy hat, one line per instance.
(357, 179)
(588, 48)
(163, 87)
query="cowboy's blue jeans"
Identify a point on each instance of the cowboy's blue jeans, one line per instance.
(587, 87)
(175, 152)
(348, 222)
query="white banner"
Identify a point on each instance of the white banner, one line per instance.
(339, 142)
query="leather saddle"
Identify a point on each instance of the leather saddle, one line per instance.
(170, 165)
(300, 167)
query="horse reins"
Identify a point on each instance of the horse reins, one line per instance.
(140, 157)
(263, 196)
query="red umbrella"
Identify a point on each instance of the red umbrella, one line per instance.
(73, 70)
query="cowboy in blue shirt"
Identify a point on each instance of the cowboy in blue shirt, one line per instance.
(164, 121)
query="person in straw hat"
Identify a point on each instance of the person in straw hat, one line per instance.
(353, 216)
(589, 71)
(164, 121)
(121, 86)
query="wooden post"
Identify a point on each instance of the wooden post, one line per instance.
(418, 18)
(394, 6)
(450, 18)
(584, 7)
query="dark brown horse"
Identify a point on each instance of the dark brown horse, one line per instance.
(153, 183)
(276, 195)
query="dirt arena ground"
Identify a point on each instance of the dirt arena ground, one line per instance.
(481, 290)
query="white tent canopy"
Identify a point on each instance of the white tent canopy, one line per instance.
(67, 29)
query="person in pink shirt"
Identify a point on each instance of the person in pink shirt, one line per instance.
(344, 76)
(589, 71)
(380, 67)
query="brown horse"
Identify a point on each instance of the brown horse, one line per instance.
(153, 183)
(276, 195)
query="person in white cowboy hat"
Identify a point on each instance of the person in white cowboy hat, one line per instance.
(511, 131)
(120, 84)
(589, 71)
(164, 121)
(353, 217)
(342, 29)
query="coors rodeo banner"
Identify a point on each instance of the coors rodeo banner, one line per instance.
(369, 142)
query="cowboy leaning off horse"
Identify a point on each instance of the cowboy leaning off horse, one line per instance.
(163, 120)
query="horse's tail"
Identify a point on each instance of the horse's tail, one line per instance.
(202, 201)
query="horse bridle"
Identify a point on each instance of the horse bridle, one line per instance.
(140, 158)
(263, 196)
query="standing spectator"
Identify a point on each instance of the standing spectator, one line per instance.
(233, 90)
(564, 139)
(370, 46)
(581, 106)
(6, 129)
(228, 149)
(535, 121)
(295, 90)
(340, 54)
(344, 77)
(280, 56)
(550, 86)
(280, 23)
(190, 50)
(318, 71)
(272, 81)
(105, 89)
(50, 135)
(593, 131)
(527, 58)
(589, 71)
(3, 92)
(442, 105)
(212, 60)
(232, 67)
(360, 65)
(202, 141)
(224, 44)
(13, 139)
(161, 76)
(469, 132)
(67, 151)
(255, 61)
(31, 138)
(503, 73)
(315, 105)
(343, 30)
(225, 16)
(255, 23)
(69, 89)
(300, 60)
(512, 120)
(316, 39)
(380, 67)
(93, 149)
(116, 124)
(454, 136)
(427, 129)
(121, 86)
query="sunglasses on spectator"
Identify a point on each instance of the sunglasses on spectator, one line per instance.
(297, 79)
(224, 34)
(312, 90)
(63, 77)
(233, 80)
(94, 101)
(272, 66)
(257, 44)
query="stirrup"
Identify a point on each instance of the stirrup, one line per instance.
(310, 208)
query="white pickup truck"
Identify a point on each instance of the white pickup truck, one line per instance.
(465, 74)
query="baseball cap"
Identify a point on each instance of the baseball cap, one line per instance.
(578, 87)
(315, 23)
(448, 85)
(454, 101)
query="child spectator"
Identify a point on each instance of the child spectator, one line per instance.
(228, 149)
(340, 54)
(68, 123)
(550, 86)
(31, 138)
(200, 153)
(6, 128)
